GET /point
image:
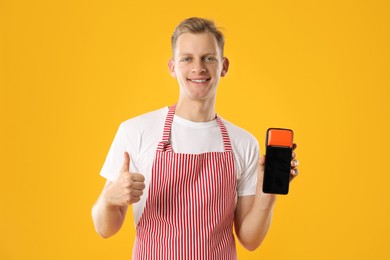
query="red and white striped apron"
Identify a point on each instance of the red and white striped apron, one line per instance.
(190, 207)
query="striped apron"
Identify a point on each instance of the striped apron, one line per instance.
(190, 207)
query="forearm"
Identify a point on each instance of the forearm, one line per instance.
(108, 219)
(254, 226)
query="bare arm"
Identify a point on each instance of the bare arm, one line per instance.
(254, 213)
(110, 209)
(253, 219)
(107, 218)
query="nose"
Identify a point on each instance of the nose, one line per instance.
(198, 67)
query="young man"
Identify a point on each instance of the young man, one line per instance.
(188, 173)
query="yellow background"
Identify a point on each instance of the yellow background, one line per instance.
(71, 71)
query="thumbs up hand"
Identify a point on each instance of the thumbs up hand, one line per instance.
(128, 187)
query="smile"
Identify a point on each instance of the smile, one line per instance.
(198, 80)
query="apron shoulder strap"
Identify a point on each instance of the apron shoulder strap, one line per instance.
(225, 135)
(165, 143)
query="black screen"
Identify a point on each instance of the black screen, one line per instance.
(277, 170)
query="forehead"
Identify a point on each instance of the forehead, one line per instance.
(197, 44)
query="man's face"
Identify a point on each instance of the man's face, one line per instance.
(197, 65)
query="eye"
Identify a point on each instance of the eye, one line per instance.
(210, 58)
(185, 59)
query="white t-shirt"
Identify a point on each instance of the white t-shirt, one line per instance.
(140, 136)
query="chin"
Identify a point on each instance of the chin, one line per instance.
(200, 97)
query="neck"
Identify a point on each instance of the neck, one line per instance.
(196, 111)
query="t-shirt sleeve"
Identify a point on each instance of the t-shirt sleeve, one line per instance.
(247, 181)
(115, 156)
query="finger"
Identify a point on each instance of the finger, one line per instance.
(126, 163)
(294, 163)
(294, 146)
(135, 200)
(294, 155)
(294, 172)
(138, 186)
(137, 177)
(136, 193)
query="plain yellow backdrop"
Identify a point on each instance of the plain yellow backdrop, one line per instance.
(71, 71)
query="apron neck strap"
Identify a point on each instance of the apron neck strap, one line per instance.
(165, 144)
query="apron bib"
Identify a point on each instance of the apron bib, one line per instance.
(190, 207)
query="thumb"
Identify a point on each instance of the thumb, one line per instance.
(126, 162)
(260, 176)
(261, 163)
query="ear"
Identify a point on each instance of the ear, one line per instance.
(225, 66)
(171, 67)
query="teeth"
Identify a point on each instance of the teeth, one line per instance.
(198, 80)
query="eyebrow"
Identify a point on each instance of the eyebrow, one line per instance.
(206, 54)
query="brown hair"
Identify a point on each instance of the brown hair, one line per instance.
(197, 25)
